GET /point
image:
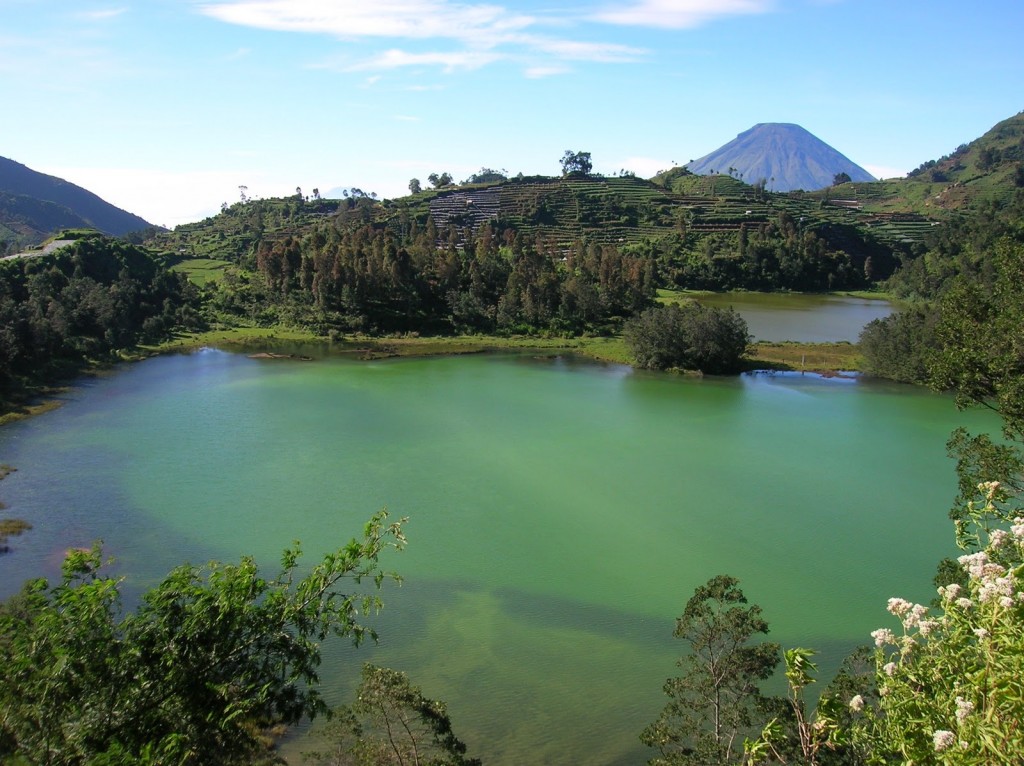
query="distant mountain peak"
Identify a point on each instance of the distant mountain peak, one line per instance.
(791, 155)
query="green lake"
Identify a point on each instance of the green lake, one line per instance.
(802, 317)
(561, 512)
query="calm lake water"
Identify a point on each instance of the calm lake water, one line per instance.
(561, 513)
(805, 318)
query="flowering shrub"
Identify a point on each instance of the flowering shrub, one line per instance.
(951, 684)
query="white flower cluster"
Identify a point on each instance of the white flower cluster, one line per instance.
(995, 583)
(883, 636)
(942, 739)
(963, 708)
(990, 489)
(911, 614)
(975, 620)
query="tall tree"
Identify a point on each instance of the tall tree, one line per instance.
(981, 335)
(437, 181)
(576, 163)
(715, 701)
(211, 655)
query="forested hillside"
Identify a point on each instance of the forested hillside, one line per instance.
(582, 253)
(570, 254)
(82, 303)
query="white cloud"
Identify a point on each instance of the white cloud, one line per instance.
(538, 72)
(580, 51)
(101, 15)
(644, 167)
(169, 198)
(882, 171)
(450, 61)
(414, 19)
(680, 14)
(482, 33)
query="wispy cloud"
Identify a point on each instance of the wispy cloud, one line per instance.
(579, 51)
(413, 19)
(61, 63)
(645, 167)
(679, 14)
(883, 171)
(101, 14)
(539, 72)
(449, 61)
(478, 34)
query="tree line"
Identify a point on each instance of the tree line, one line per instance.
(84, 302)
(780, 254)
(370, 278)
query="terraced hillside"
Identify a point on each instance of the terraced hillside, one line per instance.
(680, 219)
(236, 230)
(627, 210)
(986, 171)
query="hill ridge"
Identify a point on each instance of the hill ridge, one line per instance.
(22, 184)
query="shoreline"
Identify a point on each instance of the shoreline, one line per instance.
(827, 359)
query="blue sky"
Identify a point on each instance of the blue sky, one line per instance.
(165, 107)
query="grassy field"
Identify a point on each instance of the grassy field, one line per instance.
(611, 349)
(201, 271)
(810, 357)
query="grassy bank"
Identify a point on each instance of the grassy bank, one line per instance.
(810, 357)
(666, 295)
(817, 357)
(11, 411)
(606, 349)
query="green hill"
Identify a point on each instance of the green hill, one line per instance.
(708, 231)
(987, 169)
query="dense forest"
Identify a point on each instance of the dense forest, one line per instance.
(368, 279)
(83, 303)
(421, 267)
